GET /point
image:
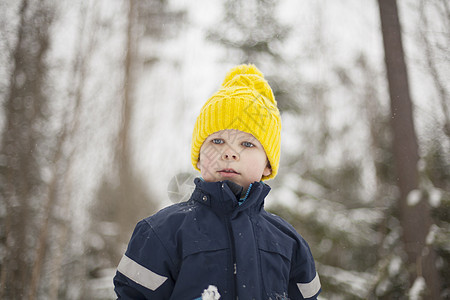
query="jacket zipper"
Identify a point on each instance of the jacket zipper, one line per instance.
(233, 256)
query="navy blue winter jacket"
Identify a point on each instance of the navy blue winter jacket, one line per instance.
(244, 251)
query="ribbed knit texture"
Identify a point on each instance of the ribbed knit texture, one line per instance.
(244, 102)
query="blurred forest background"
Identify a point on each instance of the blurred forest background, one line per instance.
(98, 100)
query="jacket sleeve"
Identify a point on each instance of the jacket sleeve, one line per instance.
(304, 282)
(145, 271)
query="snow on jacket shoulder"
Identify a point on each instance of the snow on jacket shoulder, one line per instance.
(244, 251)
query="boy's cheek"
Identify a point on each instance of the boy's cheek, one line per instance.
(209, 152)
(205, 166)
(204, 163)
(207, 175)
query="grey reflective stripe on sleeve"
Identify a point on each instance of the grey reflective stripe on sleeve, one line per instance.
(311, 288)
(140, 274)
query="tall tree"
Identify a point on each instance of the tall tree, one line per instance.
(54, 231)
(152, 20)
(123, 197)
(415, 217)
(25, 110)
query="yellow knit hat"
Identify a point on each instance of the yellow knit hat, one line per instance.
(244, 102)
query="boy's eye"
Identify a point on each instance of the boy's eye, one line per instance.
(247, 144)
(217, 141)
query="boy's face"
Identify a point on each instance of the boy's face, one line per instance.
(233, 155)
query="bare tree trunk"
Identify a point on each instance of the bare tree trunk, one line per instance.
(62, 161)
(123, 154)
(25, 107)
(415, 218)
(56, 262)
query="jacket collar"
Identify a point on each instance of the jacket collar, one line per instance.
(222, 196)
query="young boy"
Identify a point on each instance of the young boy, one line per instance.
(222, 241)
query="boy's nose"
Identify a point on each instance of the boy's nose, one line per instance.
(230, 154)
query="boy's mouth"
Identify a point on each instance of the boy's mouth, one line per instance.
(228, 172)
